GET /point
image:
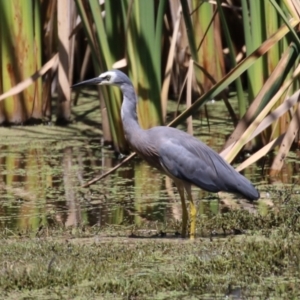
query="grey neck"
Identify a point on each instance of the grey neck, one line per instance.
(128, 112)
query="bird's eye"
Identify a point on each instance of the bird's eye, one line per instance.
(108, 78)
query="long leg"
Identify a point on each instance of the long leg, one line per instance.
(193, 211)
(184, 209)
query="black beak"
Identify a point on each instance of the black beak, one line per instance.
(93, 81)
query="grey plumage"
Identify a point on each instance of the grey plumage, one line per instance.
(181, 156)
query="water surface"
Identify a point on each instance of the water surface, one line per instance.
(42, 169)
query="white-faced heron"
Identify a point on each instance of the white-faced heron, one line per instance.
(177, 154)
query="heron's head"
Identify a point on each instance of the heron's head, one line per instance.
(113, 77)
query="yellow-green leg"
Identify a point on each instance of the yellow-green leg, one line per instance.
(184, 210)
(193, 213)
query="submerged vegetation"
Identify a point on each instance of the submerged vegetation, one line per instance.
(261, 260)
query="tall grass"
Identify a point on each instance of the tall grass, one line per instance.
(138, 36)
(143, 24)
(20, 57)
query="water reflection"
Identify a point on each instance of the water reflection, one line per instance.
(41, 185)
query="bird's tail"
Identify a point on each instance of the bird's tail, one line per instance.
(246, 188)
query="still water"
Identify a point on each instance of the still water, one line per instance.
(41, 185)
(42, 171)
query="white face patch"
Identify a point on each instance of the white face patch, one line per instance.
(108, 78)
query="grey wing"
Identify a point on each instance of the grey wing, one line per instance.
(196, 163)
(183, 164)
